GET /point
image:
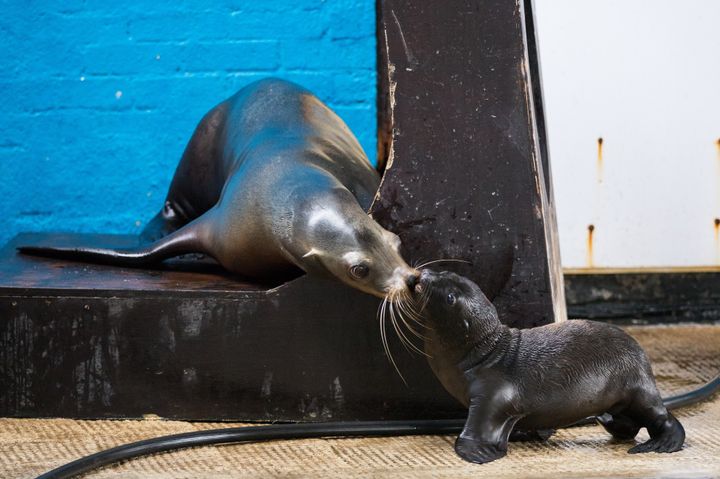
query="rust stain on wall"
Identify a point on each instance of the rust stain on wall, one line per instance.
(716, 227)
(590, 259)
(600, 159)
(717, 220)
(717, 147)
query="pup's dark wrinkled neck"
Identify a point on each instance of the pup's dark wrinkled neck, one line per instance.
(487, 347)
(468, 342)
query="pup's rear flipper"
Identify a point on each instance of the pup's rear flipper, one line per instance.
(668, 436)
(187, 239)
(477, 452)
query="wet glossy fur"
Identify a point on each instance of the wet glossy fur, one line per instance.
(271, 181)
(536, 379)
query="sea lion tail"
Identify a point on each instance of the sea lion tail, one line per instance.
(188, 239)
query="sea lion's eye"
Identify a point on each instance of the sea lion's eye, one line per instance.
(450, 299)
(359, 271)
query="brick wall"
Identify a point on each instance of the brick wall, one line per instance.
(100, 98)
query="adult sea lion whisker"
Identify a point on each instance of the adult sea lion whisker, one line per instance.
(409, 327)
(405, 305)
(415, 347)
(398, 332)
(383, 337)
(409, 345)
(405, 308)
(414, 320)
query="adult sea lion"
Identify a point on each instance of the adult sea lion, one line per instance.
(539, 378)
(272, 180)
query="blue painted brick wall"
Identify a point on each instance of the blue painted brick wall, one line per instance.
(99, 98)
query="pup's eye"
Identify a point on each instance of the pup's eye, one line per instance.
(359, 271)
(450, 299)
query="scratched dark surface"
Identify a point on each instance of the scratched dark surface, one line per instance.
(467, 179)
(307, 350)
(645, 297)
(52, 276)
(188, 341)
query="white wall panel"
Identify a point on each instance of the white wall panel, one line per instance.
(644, 76)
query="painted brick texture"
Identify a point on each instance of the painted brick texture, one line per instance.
(100, 98)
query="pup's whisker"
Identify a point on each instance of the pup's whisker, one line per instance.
(448, 260)
(415, 263)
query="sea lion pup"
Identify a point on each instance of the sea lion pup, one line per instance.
(272, 180)
(539, 378)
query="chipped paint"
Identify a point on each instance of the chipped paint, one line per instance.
(337, 392)
(392, 85)
(408, 54)
(544, 189)
(266, 388)
(391, 92)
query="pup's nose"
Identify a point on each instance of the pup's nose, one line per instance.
(412, 280)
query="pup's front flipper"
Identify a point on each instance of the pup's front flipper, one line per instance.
(486, 432)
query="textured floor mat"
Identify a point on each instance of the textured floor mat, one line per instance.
(683, 357)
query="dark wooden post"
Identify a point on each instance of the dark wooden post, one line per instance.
(464, 178)
(464, 143)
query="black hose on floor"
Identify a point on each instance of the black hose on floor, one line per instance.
(694, 396)
(258, 433)
(304, 431)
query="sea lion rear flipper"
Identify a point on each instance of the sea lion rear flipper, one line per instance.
(487, 429)
(188, 239)
(666, 435)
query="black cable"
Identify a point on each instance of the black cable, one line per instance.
(258, 433)
(304, 431)
(694, 396)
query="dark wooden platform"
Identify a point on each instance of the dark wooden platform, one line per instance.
(188, 341)
(186, 276)
(466, 176)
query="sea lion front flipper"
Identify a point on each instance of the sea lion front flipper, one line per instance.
(485, 436)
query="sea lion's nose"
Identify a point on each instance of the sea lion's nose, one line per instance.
(412, 279)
